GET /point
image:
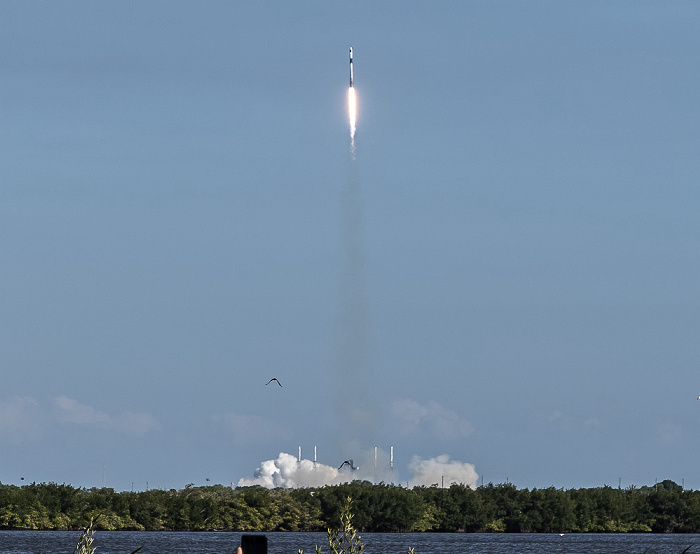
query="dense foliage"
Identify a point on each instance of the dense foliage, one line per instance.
(384, 508)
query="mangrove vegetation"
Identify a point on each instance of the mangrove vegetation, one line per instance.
(663, 508)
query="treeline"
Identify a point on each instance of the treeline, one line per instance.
(663, 508)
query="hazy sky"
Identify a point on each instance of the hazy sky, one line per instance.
(507, 273)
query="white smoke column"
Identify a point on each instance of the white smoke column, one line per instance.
(441, 470)
(352, 114)
(289, 473)
(373, 467)
(354, 406)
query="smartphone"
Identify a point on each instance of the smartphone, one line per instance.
(254, 544)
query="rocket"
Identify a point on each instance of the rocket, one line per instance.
(351, 78)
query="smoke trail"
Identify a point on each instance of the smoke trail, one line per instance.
(354, 399)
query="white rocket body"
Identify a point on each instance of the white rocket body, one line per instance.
(351, 75)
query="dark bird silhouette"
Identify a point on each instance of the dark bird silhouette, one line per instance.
(348, 463)
(275, 380)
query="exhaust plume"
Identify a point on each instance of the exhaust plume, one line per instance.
(356, 411)
(441, 471)
(352, 114)
(287, 472)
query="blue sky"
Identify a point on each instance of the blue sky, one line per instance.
(179, 206)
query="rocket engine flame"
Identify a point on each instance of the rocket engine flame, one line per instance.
(352, 114)
(352, 108)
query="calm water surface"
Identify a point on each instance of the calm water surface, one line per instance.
(123, 542)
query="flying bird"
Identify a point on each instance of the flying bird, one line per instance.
(348, 463)
(275, 380)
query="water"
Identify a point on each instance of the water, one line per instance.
(124, 542)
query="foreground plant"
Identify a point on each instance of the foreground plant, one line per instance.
(84, 545)
(345, 540)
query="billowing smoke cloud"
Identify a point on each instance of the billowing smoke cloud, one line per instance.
(442, 470)
(288, 472)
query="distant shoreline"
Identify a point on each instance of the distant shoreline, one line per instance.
(663, 508)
